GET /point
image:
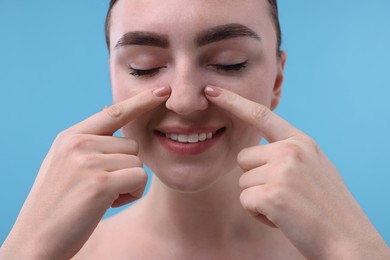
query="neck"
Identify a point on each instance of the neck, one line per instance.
(210, 217)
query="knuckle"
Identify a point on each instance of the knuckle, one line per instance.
(76, 142)
(99, 184)
(138, 162)
(244, 199)
(89, 161)
(312, 144)
(241, 157)
(143, 175)
(63, 135)
(140, 176)
(287, 168)
(249, 198)
(115, 110)
(134, 160)
(260, 113)
(275, 196)
(242, 182)
(134, 146)
(291, 151)
(285, 174)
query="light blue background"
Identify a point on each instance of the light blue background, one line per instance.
(54, 73)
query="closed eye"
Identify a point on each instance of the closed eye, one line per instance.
(140, 73)
(230, 67)
(220, 67)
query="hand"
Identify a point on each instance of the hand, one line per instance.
(290, 184)
(86, 171)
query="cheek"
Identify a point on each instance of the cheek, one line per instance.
(121, 85)
(120, 93)
(121, 89)
(129, 130)
(135, 130)
(259, 91)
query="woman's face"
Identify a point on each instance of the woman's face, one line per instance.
(188, 142)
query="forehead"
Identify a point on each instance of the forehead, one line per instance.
(186, 17)
(212, 6)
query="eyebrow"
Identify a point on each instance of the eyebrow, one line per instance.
(215, 34)
(224, 32)
(143, 38)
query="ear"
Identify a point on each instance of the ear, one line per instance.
(277, 91)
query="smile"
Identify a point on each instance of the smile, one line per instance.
(189, 142)
(193, 138)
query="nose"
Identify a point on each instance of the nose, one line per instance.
(187, 92)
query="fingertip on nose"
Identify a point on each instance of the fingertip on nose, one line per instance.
(212, 91)
(162, 92)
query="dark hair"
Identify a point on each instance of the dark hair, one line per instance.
(273, 9)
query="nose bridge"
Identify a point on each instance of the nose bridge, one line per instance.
(187, 86)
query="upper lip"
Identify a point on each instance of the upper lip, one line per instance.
(187, 130)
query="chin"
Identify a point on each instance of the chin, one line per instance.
(190, 178)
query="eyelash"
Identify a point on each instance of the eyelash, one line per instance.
(140, 73)
(230, 67)
(224, 68)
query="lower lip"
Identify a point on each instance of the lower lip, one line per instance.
(188, 148)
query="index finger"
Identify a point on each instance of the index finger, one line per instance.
(109, 120)
(271, 126)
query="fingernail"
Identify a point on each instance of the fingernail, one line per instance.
(212, 91)
(162, 92)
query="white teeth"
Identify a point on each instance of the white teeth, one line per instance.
(202, 137)
(183, 138)
(174, 137)
(193, 138)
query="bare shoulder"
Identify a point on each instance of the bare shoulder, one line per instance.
(118, 237)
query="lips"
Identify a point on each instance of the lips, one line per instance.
(189, 141)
